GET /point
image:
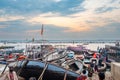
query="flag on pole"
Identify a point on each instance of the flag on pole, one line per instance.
(42, 30)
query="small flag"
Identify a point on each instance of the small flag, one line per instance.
(42, 30)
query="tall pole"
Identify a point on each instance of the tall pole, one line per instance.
(42, 43)
(42, 30)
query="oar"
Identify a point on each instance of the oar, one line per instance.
(65, 76)
(41, 76)
(4, 68)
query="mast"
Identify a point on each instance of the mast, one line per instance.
(42, 30)
(42, 37)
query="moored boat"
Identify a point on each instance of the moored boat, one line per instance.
(46, 71)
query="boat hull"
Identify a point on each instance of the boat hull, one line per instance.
(33, 68)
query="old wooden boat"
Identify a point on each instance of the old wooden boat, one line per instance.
(43, 71)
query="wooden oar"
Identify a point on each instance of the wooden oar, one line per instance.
(41, 76)
(4, 68)
(65, 76)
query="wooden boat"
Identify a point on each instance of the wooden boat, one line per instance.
(74, 65)
(54, 56)
(43, 71)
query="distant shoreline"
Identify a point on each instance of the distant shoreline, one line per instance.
(60, 41)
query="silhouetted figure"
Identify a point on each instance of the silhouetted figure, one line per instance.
(101, 76)
(90, 72)
(100, 62)
(96, 68)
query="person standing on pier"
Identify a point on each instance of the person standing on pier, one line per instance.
(101, 76)
(90, 72)
(96, 69)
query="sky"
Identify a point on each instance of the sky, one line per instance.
(62, 19)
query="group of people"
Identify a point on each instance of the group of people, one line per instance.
(87, 73)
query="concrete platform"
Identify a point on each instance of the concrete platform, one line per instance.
(108, 76)
(115, 70)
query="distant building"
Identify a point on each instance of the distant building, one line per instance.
(117, 44)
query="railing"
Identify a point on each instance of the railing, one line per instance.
(114, 56)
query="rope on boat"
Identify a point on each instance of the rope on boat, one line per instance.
(65, 75)
(41, 76)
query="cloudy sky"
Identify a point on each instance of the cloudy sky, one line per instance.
(62, 19)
